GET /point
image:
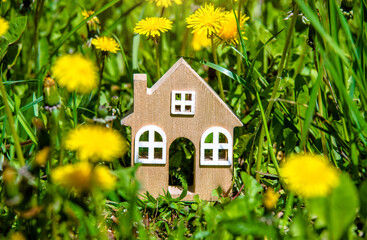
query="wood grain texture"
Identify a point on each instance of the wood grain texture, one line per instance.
(153, 107)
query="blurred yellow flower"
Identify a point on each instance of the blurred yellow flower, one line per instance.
(4, 26)
(309, 175)
(106, 44)
(41, 156)
(17, 236)
(96, 143)
(165, 3)
(83, 176)
(153, 26)
(94, 21)
(228, 33)
(206, 20)
(270, 199)
(200, 40)
(9, 175)
(103, 178)
(76, 73)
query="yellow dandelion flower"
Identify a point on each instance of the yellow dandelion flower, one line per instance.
(106, 44)
(9, 175)
(206, 20)
(200, 40)
(270, 199)
(228, 33)
(153, 26)
(75, 73)
(94, 21)
(96, 143)
(103, 178)
(17, 236)
(83, 176)
(4, 26)
(42, 155)
(73, 176)
(309, 175)
(165, 3)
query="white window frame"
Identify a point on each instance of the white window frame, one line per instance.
(182, 103)
(216, 146)
(151, 145)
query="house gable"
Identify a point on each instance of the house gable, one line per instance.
(152, 103)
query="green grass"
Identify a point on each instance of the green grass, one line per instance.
(297, 83)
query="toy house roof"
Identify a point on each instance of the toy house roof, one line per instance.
(186, 70)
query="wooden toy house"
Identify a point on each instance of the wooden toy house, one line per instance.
(181, 104)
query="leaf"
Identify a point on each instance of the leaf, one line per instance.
(343, 205)
(301, 94)
(253, 198)
(250, 228)
(299, 228)
(16, 28)
(363, 199)
(3, 47)
(242, 143)
(226, 72)
(251, 185)
(317, 208)
(43, 57)
(237, 208)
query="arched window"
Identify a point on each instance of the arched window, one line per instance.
(150, 145)
(216, 147)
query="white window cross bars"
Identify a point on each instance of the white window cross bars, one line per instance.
(215, 147)
(152, 144)
(183, 102)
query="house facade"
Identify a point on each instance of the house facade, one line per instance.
(181, 104)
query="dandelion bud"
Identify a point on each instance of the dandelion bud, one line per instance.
(114, 101)
(50, 93)
(102, 111)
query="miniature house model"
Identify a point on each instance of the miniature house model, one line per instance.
(181, 104)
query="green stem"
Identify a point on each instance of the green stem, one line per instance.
(288, 209)
(322, 134)
(75, 109)
(101, 69)
(281, 64)
(220, 84)
(99, 203)
(9, 114)
(156, 45)
(259, 153)
(275, 89)
(239, 62)
(270, 145)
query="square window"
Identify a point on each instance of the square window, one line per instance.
(209, 138)
(187, 108)
(157, 137)
(223, 155)
(144, 137)
(208, 155)
(158, 153)
(143, 153)
(188, 96)
(183, 102)
(222, 138)
(177, 108)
